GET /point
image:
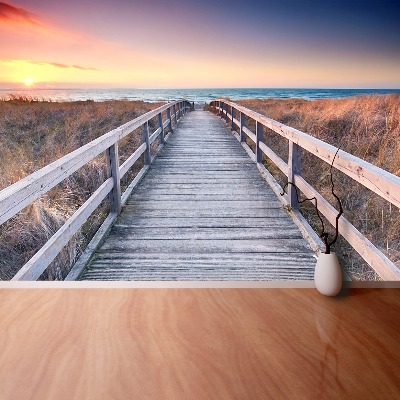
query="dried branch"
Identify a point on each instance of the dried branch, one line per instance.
(339, 202)
(323, 235)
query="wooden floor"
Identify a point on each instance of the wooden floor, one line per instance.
(203, 212)
(200, 344)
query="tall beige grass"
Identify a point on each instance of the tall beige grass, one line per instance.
(365, 126)
(34, 133)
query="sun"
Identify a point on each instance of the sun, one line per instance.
(28, 81)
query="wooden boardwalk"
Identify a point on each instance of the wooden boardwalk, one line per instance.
(202, 212)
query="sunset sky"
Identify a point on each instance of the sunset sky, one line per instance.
(195, 44)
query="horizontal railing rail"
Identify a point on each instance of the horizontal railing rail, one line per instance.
(16, 197)
(381, 182)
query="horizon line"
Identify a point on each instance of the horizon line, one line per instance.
(197, 88)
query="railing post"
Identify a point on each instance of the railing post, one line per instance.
(233, 112)
(113, 172)
(259, 138)
(174, 108)
(242, 124)
(160, 123)
(294, 164)
(145, 138)
(170, 118)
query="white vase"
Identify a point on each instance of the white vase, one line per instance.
(328, 275)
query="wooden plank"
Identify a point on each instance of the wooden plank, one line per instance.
(372, 255)
(207, 172)
(127, 165)
(257, 259)
(155, 135)
(166, 123)
(169, 118)
(209, 178)
(250, 134)
(206, 188)
(145, 140)
(206, 162)
(211, 168)
(174, 108)
(42, 259)
(242, 125)
(274, 158)
(294, 168)
(196, 270)
(187, 272)
(113, 172)
(205, 178)
(249, 151)
(194, 233)
(205, 205)
(139, 272)
(156, 196)
(374, 178)
(206, 169)
(193, 181)
(210, 213)
(270, 222)
(114, 243)
(237, 123)
(161, 126)
(259, 139)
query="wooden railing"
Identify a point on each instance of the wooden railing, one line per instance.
(381, 182)
(24, 192)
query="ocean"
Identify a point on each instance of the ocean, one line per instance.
(196, 95)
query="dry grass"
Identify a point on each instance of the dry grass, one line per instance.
(369, 128)
(34, 133)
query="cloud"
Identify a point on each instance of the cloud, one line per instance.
(11, 13)
(59, 65)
